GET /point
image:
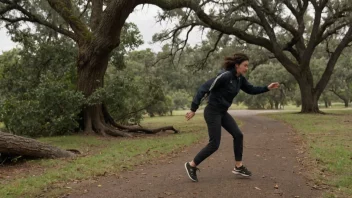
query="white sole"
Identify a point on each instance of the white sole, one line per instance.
(237, 173)
(188, 173)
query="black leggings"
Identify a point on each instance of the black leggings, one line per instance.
(215, 119)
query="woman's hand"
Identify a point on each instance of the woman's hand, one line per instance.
(274, 85)
(189, 115)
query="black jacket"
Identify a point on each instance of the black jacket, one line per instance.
(223, 89)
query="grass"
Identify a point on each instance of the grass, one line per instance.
(291, 107)
(101, 156)
(2, 125)
(329, 143)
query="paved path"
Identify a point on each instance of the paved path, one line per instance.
(270, 153)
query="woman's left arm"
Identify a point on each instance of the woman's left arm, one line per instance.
(253, 90)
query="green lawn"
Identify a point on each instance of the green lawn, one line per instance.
(329, 142)
(100, 156)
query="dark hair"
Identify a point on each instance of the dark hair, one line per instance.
(231, 61)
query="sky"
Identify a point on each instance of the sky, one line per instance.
(143, 17)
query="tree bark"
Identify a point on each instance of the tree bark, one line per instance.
(341, 96)
(271, 104)
(277, 105)
(17, 145)
(309, 98)
(346, 103)
(92, 66)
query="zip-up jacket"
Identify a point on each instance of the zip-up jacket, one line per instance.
(223, 89)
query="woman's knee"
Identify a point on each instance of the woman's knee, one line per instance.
(214, 146)
(239, 135)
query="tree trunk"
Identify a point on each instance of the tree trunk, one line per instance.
(271, 104)
(92, 66)
(277, 105)
(346, 102)
(91, 70)
(326, 104)
(17, 145)
(344, 98)
(308, 97)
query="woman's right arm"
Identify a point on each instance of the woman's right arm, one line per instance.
(202, 90)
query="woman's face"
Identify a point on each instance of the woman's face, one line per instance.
(242, 68)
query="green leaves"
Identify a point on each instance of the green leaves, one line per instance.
(48, 110)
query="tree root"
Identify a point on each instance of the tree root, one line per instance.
(136, 129)
(125, 129)
(115, 133)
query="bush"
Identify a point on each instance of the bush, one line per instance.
(161, 107)
(50, 109)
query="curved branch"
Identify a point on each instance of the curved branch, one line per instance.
(215, 46)
(256, 63)
(286, 25)
(174, 33)
(85, 9)
(289, 47)
(97, 10)
(306, 57)
(203, 62)
(7, 8)
(148, 131)
(330, 32)
(332, 19)
(35, 19)
(162, 58)
(268, 29)
(332, 61)
(112, 20)
(277, 50)
(216, 25)
(66, 9)
(338, 95)
(291, 8)
(115, 132)
(226, 29)
(184, 43)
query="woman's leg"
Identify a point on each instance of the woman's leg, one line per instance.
(231, 126)
(213, 120)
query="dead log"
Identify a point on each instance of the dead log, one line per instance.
(17, 145)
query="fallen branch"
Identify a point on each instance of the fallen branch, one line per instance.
(17, 145)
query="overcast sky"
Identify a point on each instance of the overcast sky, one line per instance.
(143, 18)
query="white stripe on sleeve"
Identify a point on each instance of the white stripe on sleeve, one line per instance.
(213, 84)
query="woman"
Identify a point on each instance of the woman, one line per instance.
(222, 91)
